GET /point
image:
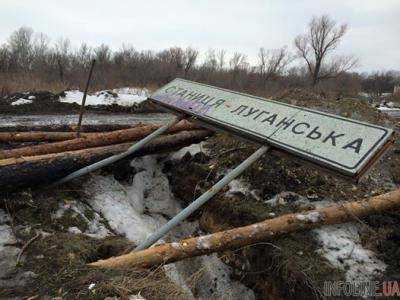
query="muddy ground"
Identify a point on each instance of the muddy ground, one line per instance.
(45, 101)
(59, 239)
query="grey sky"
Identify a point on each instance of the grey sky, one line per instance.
(243, 26)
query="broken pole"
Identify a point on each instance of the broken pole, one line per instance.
(105, 162)
(252, 234)
(202, 199)
(78, 131)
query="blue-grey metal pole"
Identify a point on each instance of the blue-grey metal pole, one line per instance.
(202, 199)
(114, 158)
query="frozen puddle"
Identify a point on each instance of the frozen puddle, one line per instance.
(89, 119)
(136, 210)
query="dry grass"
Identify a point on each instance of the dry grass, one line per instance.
(16, 83)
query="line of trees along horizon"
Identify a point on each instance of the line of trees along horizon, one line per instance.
(312, 64)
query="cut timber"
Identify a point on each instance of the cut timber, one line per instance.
(242, 236)
(43, 136)
(66, 128)
(44, 169)
(94, 140)
(39, 136)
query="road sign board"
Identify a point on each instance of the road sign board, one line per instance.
(340, 144)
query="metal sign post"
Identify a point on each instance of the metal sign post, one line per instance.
(202, 199)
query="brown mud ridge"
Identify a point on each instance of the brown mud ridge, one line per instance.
(47, 102)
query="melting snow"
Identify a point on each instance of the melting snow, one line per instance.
(310, 217)
(138, 209)
(192, 149)
(123, 97)
(95, 229)
(21, 101)
(341, 246)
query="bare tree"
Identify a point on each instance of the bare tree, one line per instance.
(62, 50)
(323, 37)
(20, 47)
(272, 63)
(211, 62)
(190, 57)
(239, 68)
(221, 59)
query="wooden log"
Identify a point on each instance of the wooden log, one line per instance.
(247, 235)
(66, 128)
(94, 140)
(44, 136)
(38, 136)
(44, 169)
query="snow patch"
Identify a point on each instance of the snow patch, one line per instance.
(385, 108)
(192, 149)
(341, 246)
(312, 217)
(21, 101)
(96, 228)
(203, 242)
(137, 210)
(123, 210)
(239, 186)
(123, 97)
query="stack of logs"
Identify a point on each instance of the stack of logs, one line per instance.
(57, 152)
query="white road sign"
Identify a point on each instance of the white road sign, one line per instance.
(331, 141)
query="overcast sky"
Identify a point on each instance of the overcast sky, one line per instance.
(243, 26)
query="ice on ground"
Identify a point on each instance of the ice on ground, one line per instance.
(123, 97)
(96, 228)
(341, 246)
(124, 211)
(90, 118)
(21, 101)
(192, 149)
(137, 210)
(239, 186)
(385, 108)
(8, 253)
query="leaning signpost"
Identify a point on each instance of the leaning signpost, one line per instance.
(344, 146)
(341, 145)
(329, 141)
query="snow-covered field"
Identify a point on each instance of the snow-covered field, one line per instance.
(123, 96)
(126, 96)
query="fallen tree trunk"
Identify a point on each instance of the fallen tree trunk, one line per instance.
(94, 140)
(44, 136)
(44, 169)
(66, 128)
(247, 235)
